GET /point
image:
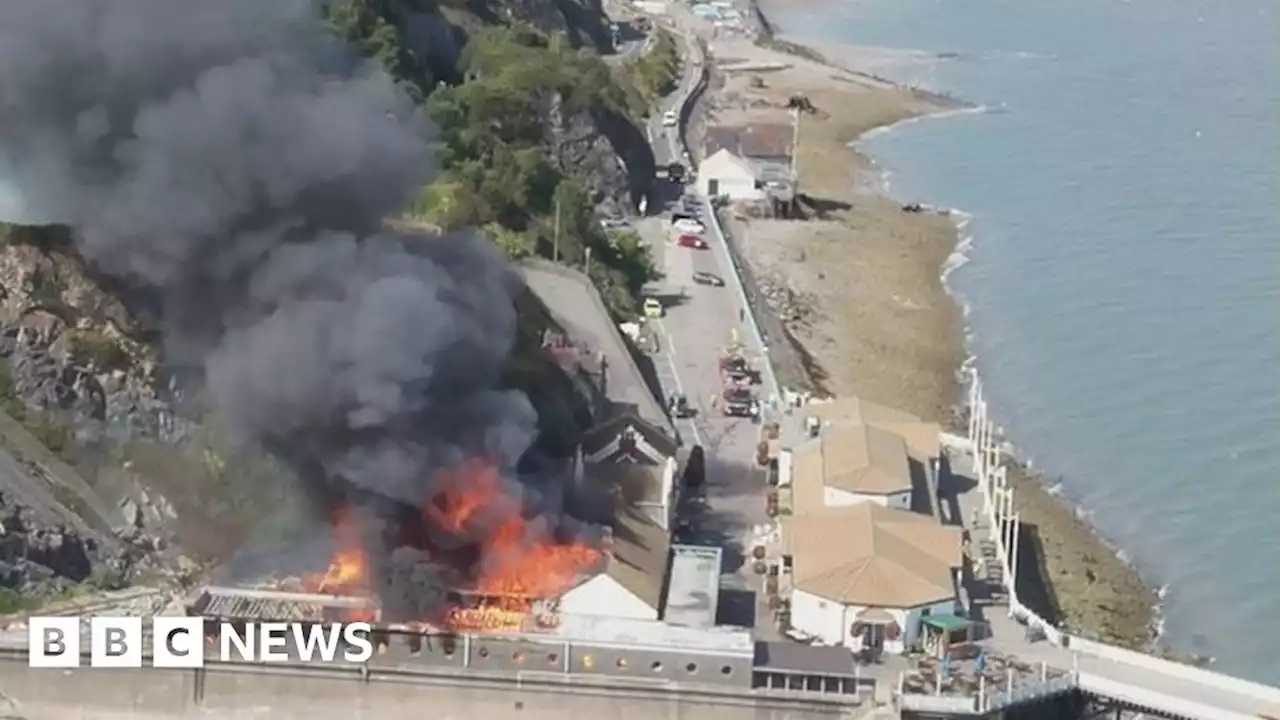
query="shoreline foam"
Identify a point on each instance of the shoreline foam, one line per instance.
(1140, 629)
(965, 243)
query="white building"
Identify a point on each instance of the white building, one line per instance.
(729, 175)
(845, 465)
(640, 458)
(864, 576)
(629, 584)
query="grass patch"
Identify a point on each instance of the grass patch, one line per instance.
(94, 347)
(12, 602)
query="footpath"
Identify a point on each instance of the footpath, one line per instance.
(1133, 680)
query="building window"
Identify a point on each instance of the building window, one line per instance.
(786, 562)
(627, 441)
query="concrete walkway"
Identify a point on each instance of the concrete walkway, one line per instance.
(1141, 681)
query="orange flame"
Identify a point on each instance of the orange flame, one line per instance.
(520, 562)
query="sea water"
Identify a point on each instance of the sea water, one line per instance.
(1124, 283)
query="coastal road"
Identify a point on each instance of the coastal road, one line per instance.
(700, 322)
(666, 140)
(632, 43)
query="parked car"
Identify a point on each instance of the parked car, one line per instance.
(669, 119)
(678, 407)
(652, 308)
(692, 241)
(706, 278)
(740, 402)
(689, 226)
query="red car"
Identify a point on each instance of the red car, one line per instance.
(692, 241)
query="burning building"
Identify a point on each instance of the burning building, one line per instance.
(473, 556)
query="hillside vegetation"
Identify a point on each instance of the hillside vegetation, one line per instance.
(531, 121)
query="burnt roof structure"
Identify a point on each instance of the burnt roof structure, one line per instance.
(227, 603)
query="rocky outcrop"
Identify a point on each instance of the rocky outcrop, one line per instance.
(71, 349)
(42, 558)
(606, 150)
(602, 146)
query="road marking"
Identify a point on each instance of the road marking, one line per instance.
(669, 351)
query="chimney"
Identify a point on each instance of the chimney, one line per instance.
(784, 467)
(813, 426)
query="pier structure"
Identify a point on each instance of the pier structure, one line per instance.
(1105, 675)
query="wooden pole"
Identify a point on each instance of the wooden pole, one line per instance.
(555, 242)
(1017, 532)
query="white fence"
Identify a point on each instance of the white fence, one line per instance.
(997, 501)
(997, 506)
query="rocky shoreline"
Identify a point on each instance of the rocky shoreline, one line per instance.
(899, 338)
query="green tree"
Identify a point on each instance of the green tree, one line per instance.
(374, 28)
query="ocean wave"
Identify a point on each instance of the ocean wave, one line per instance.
(997, 55)
(940, 115)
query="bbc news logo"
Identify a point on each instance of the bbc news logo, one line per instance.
(179, 642)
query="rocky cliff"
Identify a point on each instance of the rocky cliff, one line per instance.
(602, 145)
(106, 472)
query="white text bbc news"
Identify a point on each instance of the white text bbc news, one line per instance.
(179, 642)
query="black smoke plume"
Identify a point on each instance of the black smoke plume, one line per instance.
(231, 161)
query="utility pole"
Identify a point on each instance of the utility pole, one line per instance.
(795, 142)
(795, 148)
(555, 242)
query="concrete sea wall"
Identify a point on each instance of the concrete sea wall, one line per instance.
(351, 693)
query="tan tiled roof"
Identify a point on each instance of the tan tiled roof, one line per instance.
(640, 553)
(806, 480)
(860, 459)
(868, 554)
(921, 437)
